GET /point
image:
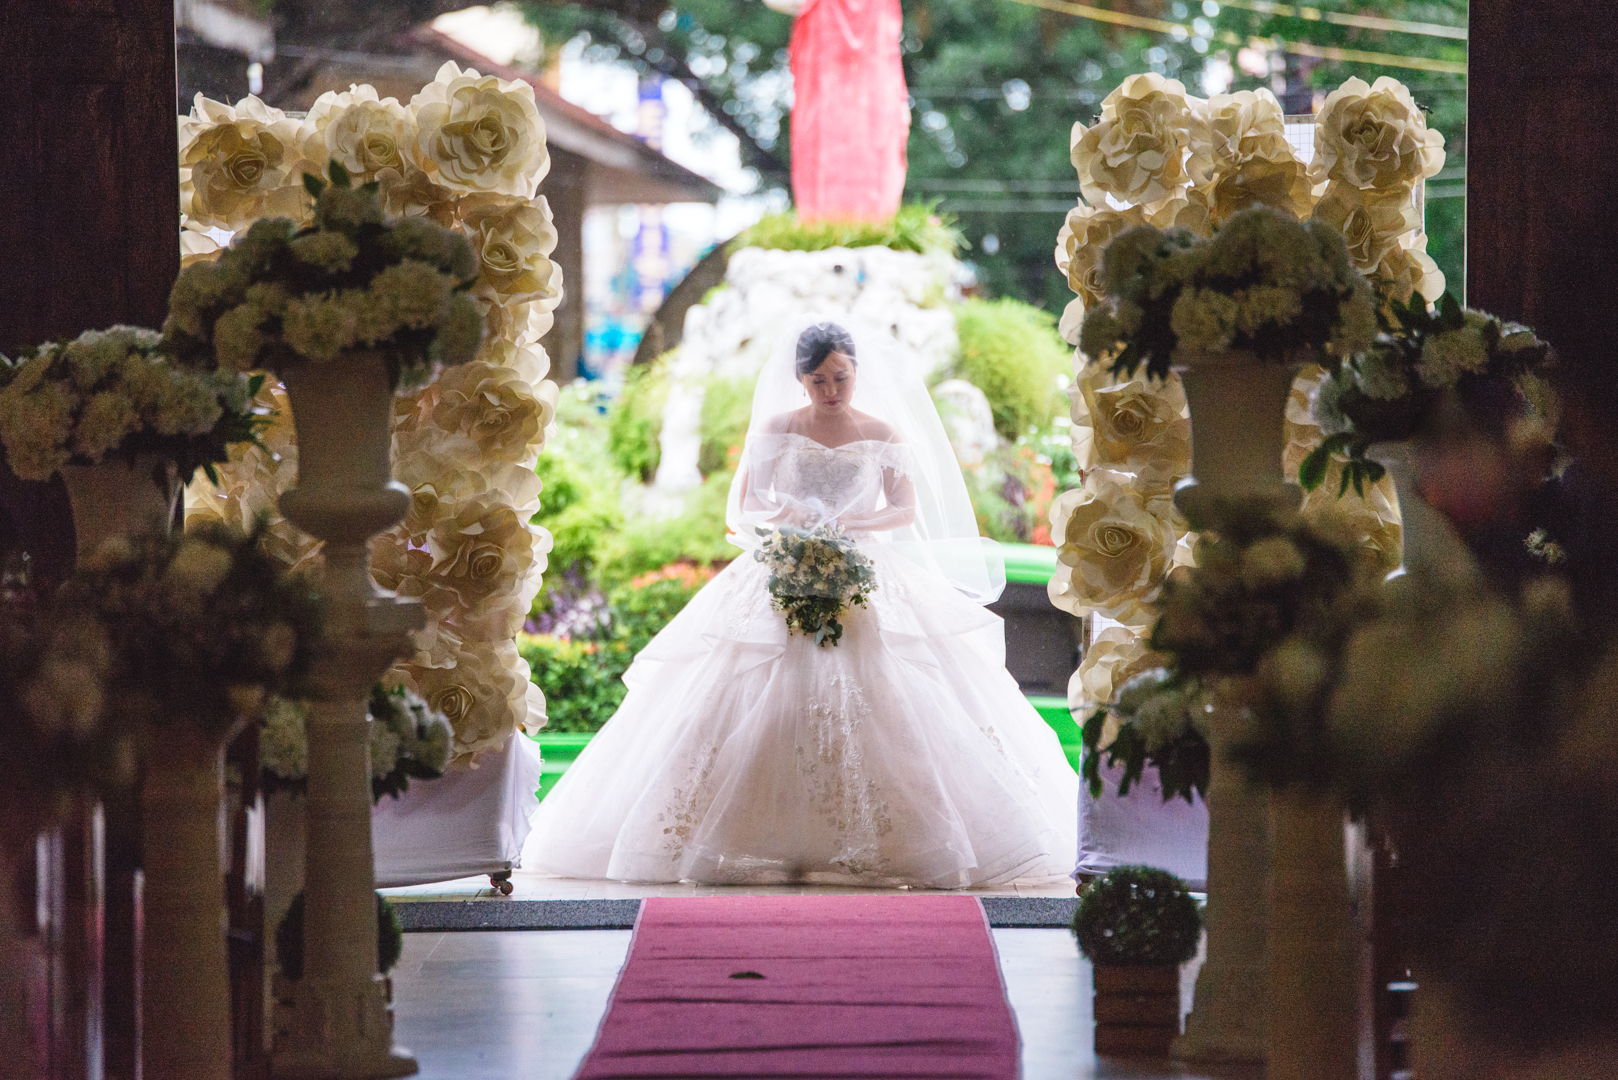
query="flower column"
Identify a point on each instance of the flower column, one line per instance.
(341, 1023)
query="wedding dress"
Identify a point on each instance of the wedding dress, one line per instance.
(903, 755)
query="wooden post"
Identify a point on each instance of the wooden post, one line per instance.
(90, 235)
(566, 188)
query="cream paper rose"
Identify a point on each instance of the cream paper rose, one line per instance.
(1373, 224)
(485, 568)
(1136, 153)
(486, 694)
(510, 327)
(1084, 236)
(363, 134)
(241, 163)
(412, 193)
(1407, 269)
(479, 133)
(1240, 157)
(1132, 424)
(1374, 137)
(438, 478)
(512, 243)
(1115, 656)
(1114, 547)
(493, 407)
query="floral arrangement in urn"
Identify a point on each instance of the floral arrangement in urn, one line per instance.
(467, 153)
(1391, 390)
(1265, 284)
(408, 740)
(201, 628)
(113, 392)
(283, 296)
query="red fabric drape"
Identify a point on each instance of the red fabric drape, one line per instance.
(850, 113)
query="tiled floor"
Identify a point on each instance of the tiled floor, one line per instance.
(529, 885)
(525, 1005)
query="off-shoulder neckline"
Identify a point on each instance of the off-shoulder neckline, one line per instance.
(840, 446)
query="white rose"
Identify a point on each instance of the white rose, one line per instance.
(1137, 152)
(363, 134)
(479, 134)
(241, 163)
(512, 243)
(1079, 246)
(1241, 157)
(1372, 224)
(1374, 137)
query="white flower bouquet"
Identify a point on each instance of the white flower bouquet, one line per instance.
(1265, 283)
(815, 574)
(1160, 720)
(1391, 389)
(281, 296)
(114, 392)
(200, 628)
(408, 740)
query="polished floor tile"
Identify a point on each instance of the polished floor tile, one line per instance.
(524, 1005)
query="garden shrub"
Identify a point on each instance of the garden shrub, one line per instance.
(1012, 352)
(582, 677)
(635, 420)
(727, 405)
(696, 535)
(577, 514)
(916, 227)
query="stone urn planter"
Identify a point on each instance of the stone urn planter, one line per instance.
(117, 498)
(341, 1022)
(1137, 925)
(1238, 432)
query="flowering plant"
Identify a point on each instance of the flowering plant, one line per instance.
(201, 627)
(1160, 719)
(408, 740)
(1266, 283)
(283, 296)
(113, 392)
(1389, 391)
(815, 574)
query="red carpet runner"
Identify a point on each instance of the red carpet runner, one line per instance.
(808, 986)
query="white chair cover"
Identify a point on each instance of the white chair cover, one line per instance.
(1142, 829)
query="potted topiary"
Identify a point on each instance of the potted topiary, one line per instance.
(1136, 926)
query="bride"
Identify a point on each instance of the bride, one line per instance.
(902, 754)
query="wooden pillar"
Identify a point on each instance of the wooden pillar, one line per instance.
(566, 188)
(90, 232)
(1542, 168)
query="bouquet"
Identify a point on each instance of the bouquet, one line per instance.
(281, 296)
(408, 740)
(1265, 283)
(113, 392)
(1391, 390)
(815, 574)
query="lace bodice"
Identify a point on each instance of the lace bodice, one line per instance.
(843, 479)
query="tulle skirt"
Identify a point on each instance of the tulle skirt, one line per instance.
(905, 755)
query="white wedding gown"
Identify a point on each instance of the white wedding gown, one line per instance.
(905, 755)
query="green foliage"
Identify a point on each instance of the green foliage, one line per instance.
(1136, 916)
(635, 419)
(289, 938)
(1012, 352)
(727, 406)
(1162, 725)
(696, 535)
(916, 227)
(577, 516)
(581, 680)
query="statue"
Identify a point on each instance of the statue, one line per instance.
(850, 113)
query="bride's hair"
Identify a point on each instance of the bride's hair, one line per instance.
(820, 341)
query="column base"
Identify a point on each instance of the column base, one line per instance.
(340, 1031)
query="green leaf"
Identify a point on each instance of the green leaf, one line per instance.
(313, 184)
(255, 384)
(1312, 473)
(339, 175)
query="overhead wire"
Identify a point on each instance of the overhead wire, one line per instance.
(1364, 22)
(1227, 37)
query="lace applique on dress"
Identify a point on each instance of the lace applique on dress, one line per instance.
(840, 790)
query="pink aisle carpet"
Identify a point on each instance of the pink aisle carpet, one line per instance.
(808, 986)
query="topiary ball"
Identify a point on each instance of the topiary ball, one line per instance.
(1137, 916)
(289, 938)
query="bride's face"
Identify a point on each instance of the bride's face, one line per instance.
(831, 385)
